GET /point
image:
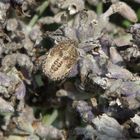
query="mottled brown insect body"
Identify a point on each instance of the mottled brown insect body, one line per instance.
(60, 60)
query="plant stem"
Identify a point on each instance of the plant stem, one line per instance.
(49, 119)
(100, 8)
(40, 11)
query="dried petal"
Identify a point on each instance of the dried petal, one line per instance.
(118, 72)
(108, 126)
(20, 91)
(5, 107)
(5, 80)
(123, 9)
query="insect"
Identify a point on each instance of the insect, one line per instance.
(60, 60)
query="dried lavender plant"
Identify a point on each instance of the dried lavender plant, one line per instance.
(69, 70)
